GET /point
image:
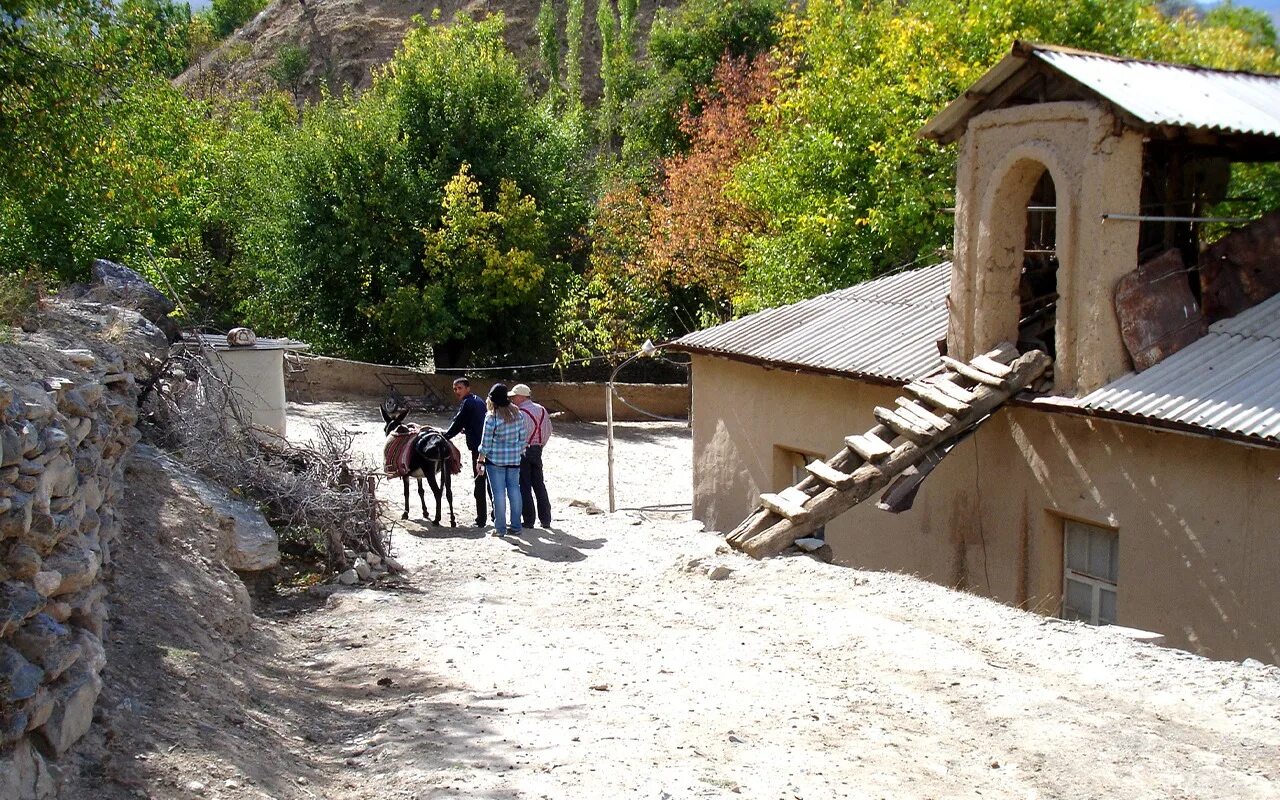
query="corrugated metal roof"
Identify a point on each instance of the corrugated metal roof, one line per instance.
(1185, 97)
(886, 328)
(1228, 381)
(1152, 93)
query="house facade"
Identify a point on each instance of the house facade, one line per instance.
(1145, 498)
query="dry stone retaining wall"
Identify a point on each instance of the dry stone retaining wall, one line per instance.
(63, 443)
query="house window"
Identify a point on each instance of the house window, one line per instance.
(1092, 563)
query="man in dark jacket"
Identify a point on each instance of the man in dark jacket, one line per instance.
(470, 418)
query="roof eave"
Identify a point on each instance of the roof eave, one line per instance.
(786, 366)
(1140, 421)
(949, 124)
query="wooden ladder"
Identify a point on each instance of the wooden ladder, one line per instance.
(939, 408)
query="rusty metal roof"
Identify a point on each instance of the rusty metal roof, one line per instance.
(1150, 93)
(1228, 381)
(885, 329)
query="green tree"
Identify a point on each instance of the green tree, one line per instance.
(574, 15)
(847, 189)
(484, 276)
(229, 15)
(685, 45)
(1255, 24)
(549, 43)
(607, 111)
(107, 156)
(156, 34)
(289, 68)
(372, 182)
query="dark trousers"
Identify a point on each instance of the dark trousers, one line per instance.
(533, 486)
(481, 492)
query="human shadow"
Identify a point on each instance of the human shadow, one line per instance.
(552, 545)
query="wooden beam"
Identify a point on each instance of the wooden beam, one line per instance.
(1004, 353)
(763, 519)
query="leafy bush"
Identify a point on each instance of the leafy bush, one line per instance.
(289, 68)
(406, 210)
(228, 15)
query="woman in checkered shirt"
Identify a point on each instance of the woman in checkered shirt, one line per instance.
(502, 445)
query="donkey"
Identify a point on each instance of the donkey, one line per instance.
(414, 452)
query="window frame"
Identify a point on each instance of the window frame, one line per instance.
(1096, 584)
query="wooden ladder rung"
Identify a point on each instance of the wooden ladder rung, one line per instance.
(991, 366)
(921, 413)
(829, 475)
(785, 504)
(1004, 353)
(954, 390)
(973, 373)
(904, 427)
(937, 398)
(870, 448)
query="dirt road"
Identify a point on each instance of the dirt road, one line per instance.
(632, 655)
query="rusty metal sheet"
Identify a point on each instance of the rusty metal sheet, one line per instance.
(1241, 269)
(1228, 382)
(1158, 314)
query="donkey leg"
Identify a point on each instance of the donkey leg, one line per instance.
(447, 479)
(406, 497)
(435, 490)
(422, 498)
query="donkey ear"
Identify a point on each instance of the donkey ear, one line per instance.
(385, 416)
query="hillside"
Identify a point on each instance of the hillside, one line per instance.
(346, 39)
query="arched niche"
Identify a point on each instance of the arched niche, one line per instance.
(1019, 255)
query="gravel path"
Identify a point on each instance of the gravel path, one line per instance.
(601, 659)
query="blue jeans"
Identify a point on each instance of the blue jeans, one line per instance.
(506, 490)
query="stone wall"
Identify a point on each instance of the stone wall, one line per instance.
(67, 420)
(315, 378)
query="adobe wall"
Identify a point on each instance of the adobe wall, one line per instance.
(66, 427)
(1096, 167)
(338, 379)
(1195, 516)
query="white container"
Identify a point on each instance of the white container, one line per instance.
(255, 374)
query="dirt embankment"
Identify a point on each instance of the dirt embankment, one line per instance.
(601, 659)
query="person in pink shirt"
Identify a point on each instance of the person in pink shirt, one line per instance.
(533, 486)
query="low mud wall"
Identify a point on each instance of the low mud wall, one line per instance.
(316, 378)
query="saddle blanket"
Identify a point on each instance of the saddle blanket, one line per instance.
(397, 455)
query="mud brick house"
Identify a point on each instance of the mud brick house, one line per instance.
(1139, 483)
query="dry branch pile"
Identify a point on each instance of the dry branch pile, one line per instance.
(318, 493)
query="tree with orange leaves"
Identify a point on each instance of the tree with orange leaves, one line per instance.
(697, 226)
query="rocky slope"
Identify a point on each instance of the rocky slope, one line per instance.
(347, 39)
